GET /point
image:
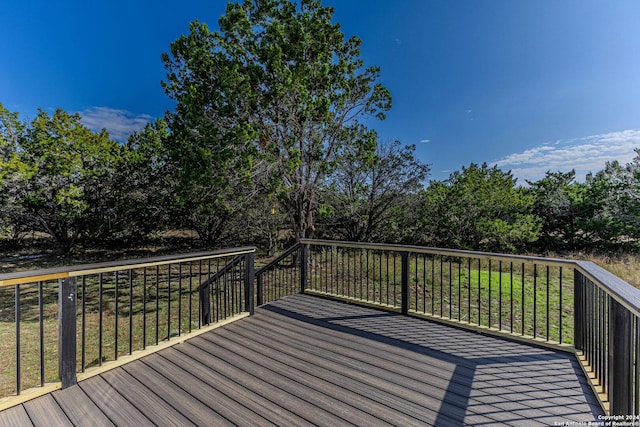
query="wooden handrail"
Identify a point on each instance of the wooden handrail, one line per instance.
(21, 277)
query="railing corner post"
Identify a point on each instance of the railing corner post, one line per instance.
(578, 310)
(405, 283)
(67, 291)
(249, 278)
(620, 360)
(260, 290)
(304, 266)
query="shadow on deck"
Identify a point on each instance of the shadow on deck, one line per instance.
(306, 360)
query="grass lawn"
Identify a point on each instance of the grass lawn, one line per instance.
(514, 297)
(148, 308)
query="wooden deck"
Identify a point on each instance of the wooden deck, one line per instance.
(304, 360)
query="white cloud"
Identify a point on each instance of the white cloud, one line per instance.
(587, 154)
(119, 123)
(425, 140)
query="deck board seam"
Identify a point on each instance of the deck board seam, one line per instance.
(350, 345)
(290, 378)
(247, 374)
(154, 365)
(319, 354)
(256, 399)
(141, 386)
(397, 395)
(304, 360)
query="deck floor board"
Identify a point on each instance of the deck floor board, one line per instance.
(382, 393)
(15, 416)
(45, 411)
(78, 407)
(113, 404)
(305, 360)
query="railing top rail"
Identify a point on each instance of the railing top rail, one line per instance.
(19, 277)
(620, 290)
(440, 251)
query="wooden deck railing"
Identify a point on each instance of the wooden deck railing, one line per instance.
(115, 309)
(607, 334)
(572, 305)
(70, 319)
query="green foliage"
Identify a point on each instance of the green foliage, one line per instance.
(144, 188)
(209, 143)
(12, 224)
(278, 83)
(479, 208)
(267, 142)
(613, 203)
(59, 177)
(560, 205)
(371, 197)
(11, 130)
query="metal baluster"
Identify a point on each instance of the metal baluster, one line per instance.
(84, 323)
(441, 287)
(130, 311)
(41, 325)
(535, 294)
(489, 299)
(17, 316)
(433, 285)
(511, 293)
(479, 283)
(116, 317)
(424, 284)
(157, 304)
(179, 298)
(560, 317)
(459, 290)
(469, 290)
(500, 295)
(547, 303)
(100, 284)
(144, 308)
(168, 301)
(190, 295)
(522, 284)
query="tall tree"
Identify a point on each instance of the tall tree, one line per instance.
(479, 208)
(280, 79)
(12, 131)
(61, 176)
(560, 204)
(369, 197)
(613, 201)
(146, 182)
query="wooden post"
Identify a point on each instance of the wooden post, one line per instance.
(578, 310)
(620, 360)
(205, 302)
(304, 267)
(249, 274)
(260, 291)
(405, 283)
(67, 290)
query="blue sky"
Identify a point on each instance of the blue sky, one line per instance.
(528, 85)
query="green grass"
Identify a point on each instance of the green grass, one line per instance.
(169, 311)
(496, 295)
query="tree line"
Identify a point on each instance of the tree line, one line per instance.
(267, 144)
(78, 186)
